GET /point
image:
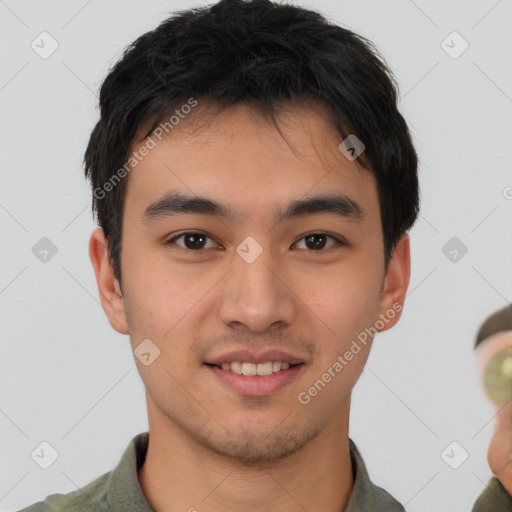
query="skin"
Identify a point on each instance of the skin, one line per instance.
(210, 448)
(499, 454)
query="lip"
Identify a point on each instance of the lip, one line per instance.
(256, 385)
(255, 357)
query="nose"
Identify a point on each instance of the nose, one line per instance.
(257, 295)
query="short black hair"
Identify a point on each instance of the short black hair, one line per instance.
(267, 54)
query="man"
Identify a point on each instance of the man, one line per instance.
(254, 183)
(494, 350)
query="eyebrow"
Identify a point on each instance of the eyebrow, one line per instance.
(175, 203)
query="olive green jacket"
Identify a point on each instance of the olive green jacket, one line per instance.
(119, 490)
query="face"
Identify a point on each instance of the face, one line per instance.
(200, 284)
(494, 361)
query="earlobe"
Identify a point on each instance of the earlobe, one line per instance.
(108, 286)
(396, 283)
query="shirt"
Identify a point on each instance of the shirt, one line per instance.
(119, 490)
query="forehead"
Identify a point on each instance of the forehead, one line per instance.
(243, 160)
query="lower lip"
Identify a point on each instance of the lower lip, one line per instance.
(256, 385)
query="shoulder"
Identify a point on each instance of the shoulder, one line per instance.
(366, 495)
(36, 507)
(383, 500)
(494, 498)
(90, 498)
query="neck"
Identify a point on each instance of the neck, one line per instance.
(181, 474)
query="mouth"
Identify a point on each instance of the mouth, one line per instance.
(255, 380)
(251, 370)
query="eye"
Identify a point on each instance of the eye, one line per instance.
(316, 241)
(195, 241)
(192, 240)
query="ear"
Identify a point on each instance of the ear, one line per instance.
(396, 283)
(108, 286)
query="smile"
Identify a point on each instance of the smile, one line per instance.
(251, 369)
(255, 379)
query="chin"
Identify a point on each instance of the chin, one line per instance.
(258, 446)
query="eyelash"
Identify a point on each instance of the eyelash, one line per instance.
(172, 240)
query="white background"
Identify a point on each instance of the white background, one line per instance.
(67, 378)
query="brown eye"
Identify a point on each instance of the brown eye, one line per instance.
(317, 241)
(192, 240)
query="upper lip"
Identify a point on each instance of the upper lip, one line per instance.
(255, 357)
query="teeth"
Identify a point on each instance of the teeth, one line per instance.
(264, 369)
(249, 369)
(260, 369)
(236, 367)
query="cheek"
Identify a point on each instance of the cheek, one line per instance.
(165, 301)
(347, 300)
(344, 308)
(151, 282)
